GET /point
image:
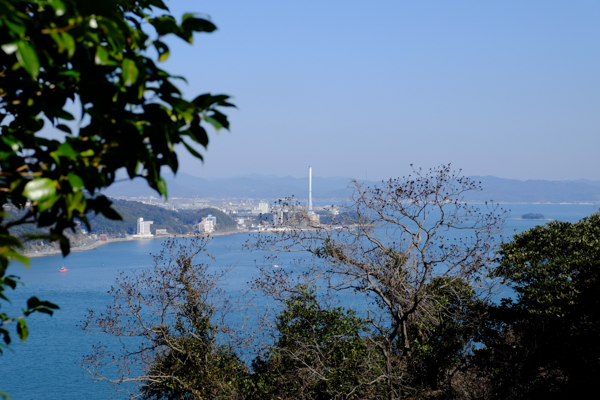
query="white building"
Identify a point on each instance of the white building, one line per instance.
(313, 219)
(263, 208)
(143, 228)
(240, 223)
(208, 224)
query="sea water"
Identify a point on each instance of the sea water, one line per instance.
(48, 364)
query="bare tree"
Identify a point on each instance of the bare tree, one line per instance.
(417, 255)
(171, 323)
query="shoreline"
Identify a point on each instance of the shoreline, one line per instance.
(98, 243)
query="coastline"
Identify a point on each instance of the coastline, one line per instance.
(98, 243)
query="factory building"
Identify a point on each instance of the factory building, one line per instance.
(313, 218)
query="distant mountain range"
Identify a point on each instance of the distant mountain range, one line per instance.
(336, 189)
(251, 186)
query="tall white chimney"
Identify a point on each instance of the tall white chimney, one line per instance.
(310, 189)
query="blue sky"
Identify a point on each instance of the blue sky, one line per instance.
(365, 88)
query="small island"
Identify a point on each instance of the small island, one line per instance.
(534, 216)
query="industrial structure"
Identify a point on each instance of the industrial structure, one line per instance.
(310, 208)
(313, 218)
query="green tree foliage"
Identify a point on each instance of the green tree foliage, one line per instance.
(319, 353)
(175, 222)
(544, 343)
(193, 366)
(87, 71)
(444, 342)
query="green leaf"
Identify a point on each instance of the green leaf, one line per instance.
(103, 57)
(7, 240)
(191, 23)
(114, 35)
(46, 204)
(102, 204)
(22, 329)
(59, 7)
(64, 128)
(193, 151)
(65, 150)
(75, 181)
(65, 115)
(162, 49)
(28, 58)
(162, 186)
(221, 119)
(5, 334)
(70, 73)
(16, 26)
(86, 222)
(39, 189)
(10, 254)
(69, 43)
(216, 124)
(130, 72)
(164, 25)
(198, 133)
(158, 4)
(110, 213)
(76, 201)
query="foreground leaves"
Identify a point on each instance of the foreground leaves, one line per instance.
(84, 74)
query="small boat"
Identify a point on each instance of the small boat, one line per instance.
(63, 269)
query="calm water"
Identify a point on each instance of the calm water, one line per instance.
(47, 365)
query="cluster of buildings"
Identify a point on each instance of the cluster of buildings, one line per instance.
(207, 225)
(143, 229)
(278, 215)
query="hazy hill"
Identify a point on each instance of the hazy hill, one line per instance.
(175, 222)
(252, 186)
(336, 189)
(535, 191)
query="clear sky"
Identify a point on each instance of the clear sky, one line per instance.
(365, 88)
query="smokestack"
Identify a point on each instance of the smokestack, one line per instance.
(310, 189)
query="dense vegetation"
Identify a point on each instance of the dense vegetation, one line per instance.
(540, 344)
(543, 343)
(85, 73)
(175, 222)
(428, 332)
(409, 329)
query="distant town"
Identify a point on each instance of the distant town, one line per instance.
(247, 215)
(152, 217)
(148, 216)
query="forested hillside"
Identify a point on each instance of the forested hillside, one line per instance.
(175, 222)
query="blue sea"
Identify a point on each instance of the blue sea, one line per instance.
(47, 364)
